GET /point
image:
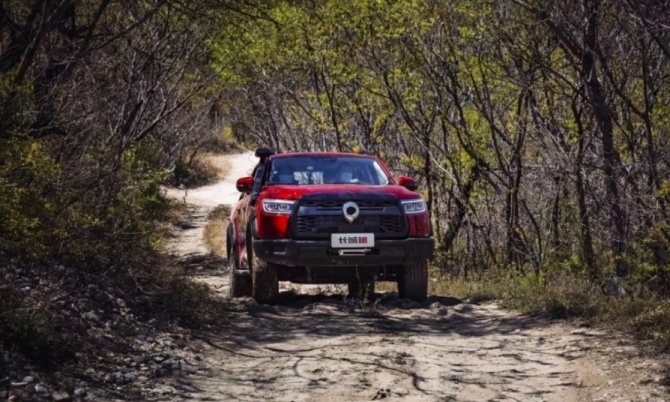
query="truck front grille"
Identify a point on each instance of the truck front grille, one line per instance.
(379, 224)
(316, 217)
(336, 205)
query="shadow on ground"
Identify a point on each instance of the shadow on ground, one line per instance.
(342, 348)
(295, 315)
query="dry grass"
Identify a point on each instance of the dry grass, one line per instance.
(559, 295)
(215, 230)
(219, 164)
(566, 295)
(204, 169)
(217, 222)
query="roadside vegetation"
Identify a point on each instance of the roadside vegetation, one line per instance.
(567, 295)
(215, 230)
(101, 103)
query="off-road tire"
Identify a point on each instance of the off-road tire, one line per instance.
(240, 281)
(265, 285)
(413, 282)
(229, 244)
(361, 289)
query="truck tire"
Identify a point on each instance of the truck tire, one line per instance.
(265, 285)
(240, 283)
(413, 282)
(240, 280)
(229, 243)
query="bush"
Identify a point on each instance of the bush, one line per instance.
(193, 174)
(565, 294)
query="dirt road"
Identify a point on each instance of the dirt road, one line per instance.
(319, 347)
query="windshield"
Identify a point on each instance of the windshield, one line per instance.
(307, 170)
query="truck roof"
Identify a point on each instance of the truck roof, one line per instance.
(321, 153)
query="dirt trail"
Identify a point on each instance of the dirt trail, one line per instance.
(316, 347)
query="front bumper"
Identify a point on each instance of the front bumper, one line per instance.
(317, 253)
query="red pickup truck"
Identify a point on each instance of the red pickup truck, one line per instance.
(327, 217)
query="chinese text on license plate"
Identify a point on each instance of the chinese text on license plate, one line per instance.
(352, 240)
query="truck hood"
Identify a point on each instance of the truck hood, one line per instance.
(294, 192)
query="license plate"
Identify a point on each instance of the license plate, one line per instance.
(352, 240)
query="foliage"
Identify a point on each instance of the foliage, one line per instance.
(568, 295)
(537, 129)
(99, 100)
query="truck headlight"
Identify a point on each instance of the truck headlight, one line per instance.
(278, 206)
(414, 206)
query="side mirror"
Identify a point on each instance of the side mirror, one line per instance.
(407, 182)
(245, 184)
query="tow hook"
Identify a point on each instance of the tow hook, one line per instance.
(357, 251)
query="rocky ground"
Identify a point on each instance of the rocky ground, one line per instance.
(314, 344)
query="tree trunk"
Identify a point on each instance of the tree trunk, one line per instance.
(603, 115)
(584, 222)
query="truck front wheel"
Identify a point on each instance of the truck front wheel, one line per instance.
(413, 281)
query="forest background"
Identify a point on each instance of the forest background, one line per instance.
(538, 131)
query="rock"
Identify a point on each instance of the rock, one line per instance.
(141, 359)
(91, 315)
(189, 369)
(382, 394)
(28, 379)
(168, 364)
(18, 384)
(129, 377)
(164, 390)
(61, 396)
(80, 392)
(41, 389)
(3, 394)
(186, 388)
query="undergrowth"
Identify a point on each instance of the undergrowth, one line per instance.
(215, 230)
(565, 295)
